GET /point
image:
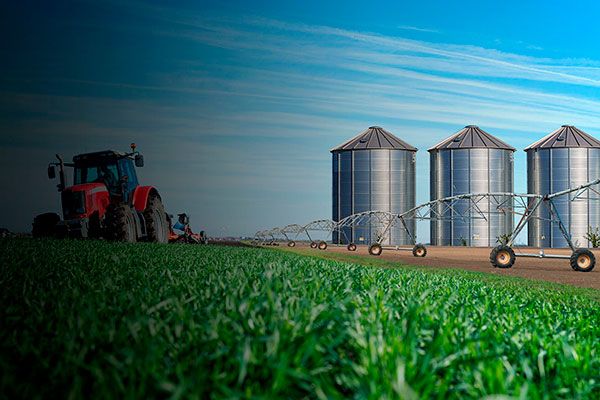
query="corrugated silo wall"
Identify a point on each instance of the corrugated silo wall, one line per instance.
(555, 169)
(475, 170)
(377, 179)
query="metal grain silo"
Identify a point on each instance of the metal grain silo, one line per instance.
(373, 171)
(470, 161)
(567, 157)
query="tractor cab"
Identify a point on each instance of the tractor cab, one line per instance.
(114, 169)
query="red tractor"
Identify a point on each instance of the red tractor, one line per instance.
(105, 201)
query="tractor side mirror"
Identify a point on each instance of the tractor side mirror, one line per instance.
(139, 160)
(51, 172)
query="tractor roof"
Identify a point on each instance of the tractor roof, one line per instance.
(98, 155)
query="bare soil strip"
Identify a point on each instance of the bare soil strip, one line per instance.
(477, 259)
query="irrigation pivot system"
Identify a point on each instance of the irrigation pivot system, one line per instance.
(460, 208)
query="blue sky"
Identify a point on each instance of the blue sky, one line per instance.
(236, 105)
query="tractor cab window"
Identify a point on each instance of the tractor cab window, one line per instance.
(127, 169)
(85, 175)
(106, 173)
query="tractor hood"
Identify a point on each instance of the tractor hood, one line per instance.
(92, 188)
(81, 201)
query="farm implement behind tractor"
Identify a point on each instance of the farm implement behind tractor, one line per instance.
(105, 200)
(181, 231)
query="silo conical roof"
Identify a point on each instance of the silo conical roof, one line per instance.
(469, 137)
(565, 136)
(374, 137)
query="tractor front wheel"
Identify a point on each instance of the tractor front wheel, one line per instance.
(583, 260)
(44, 225)
(313, 245)
(351, 247)
(291, 243)
(157, 227)
(119, 223)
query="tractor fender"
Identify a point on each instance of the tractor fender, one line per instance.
(141, 195)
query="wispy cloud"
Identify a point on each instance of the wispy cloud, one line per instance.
(417, 29)
(534, 47)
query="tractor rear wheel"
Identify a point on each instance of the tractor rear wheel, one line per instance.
(375, 249)
(322, 245)
(502, 257)
(157, 227)
(119, 223)
(44, 225)
(419, 250)
(291, 243)
(351, 247)
(583, 260)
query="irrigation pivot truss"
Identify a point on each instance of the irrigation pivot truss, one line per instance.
(263, 238)
(463, 207)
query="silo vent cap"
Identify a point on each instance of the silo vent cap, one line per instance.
(471, 126)
(374, 127)
(567, 126)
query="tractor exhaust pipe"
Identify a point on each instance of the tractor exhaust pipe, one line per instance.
(61, 173)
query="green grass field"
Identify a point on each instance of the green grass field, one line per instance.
(93, 319)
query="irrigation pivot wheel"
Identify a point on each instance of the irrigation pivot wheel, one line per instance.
(322, 245)
(375, 249)
(502, 257)
(419, 250)
(351, 247)
(291, 243)
(583, 260)
(313, 245)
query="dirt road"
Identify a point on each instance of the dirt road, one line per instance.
(477, 259)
